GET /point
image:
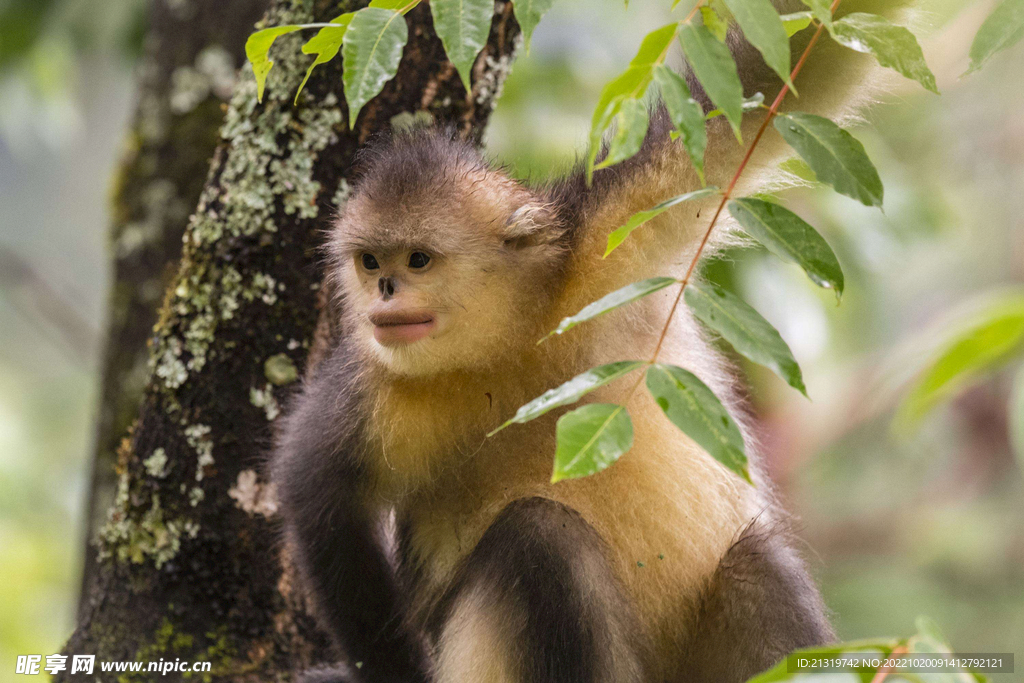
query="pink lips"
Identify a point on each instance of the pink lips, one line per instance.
(392, 328)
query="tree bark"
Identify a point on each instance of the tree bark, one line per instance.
(186, 75)
(188, 567)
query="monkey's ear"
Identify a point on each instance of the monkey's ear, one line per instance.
(532, 224)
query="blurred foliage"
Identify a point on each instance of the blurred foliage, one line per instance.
(45, 45)
(58, 60)
(45, 419)
(995, 337)
(896, 525)
(84, 25)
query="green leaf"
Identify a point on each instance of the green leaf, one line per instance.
(325, 45)
(257, 49)
(822, 10)
(636, 220)
(893, 46)
(716, 71)
(686, 114)
(463, 27)
(609, 302)
(402, 6)
(763, 28)
(630, 128)
(653, 48)
(983, 346)
(1016, 416)
(529, 14)
(722, 10)
(799, 168)
(744, 328)
(834, 155)
(570, 392)
(590, 439)
(796, 22)
(749, 104)
(1003, 29)
(713, 23)
(372, 49)
(929, 641)
(790, 238)
(631, 84)
(697, 412)
(927, 628)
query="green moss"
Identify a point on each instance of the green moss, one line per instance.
(264, 398)
(342, 194)
(410, 121)
(270, 151)
(168, 366)
(488, 88)
(198, 437)
(132, 537)
(167, 644)
(280, 370)
(221, 654)
(156, 464)
(216, 647)
(213, 72)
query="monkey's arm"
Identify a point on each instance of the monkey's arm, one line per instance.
(759, 606)
(333, 534)
(834, 82)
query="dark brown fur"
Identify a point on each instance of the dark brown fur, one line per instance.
(334, 536)
(759, 606)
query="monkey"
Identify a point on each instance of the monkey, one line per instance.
(434, 553)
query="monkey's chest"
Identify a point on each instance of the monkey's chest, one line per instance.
(440, 527)
(416, 449)
(442, 519)
(432, 545)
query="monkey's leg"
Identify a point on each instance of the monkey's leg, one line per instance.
(536, 602)
(333, 534)
(356, 597)
(761, 605)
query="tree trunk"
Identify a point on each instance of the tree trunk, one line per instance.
(188, 567)
(192, 55)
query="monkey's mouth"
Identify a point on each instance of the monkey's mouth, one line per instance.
(394, 328)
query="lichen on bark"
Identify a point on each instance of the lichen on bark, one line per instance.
(188, 554)
(186, 74)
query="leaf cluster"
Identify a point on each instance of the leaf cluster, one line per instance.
(833, 155)
(371, 41)
(825, 151)
(990, 338)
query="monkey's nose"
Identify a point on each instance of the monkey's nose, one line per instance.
(386, 287)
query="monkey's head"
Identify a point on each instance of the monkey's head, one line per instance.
(442, 262)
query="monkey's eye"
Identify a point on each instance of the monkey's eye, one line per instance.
(370, 262)
(418, 259)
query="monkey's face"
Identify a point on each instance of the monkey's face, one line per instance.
(441, 285)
